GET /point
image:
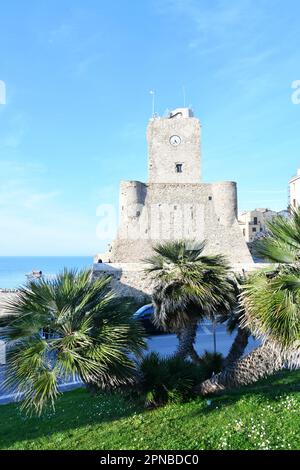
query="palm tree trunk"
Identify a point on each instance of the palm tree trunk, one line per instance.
(238, 347)
(263, 361)
(194, 355)
(186, 338)
(214, 325)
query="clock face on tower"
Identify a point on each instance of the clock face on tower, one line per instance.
(175, 140)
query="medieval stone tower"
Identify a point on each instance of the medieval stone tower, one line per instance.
(174, 203)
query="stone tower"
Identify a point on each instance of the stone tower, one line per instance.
(174, 148)
(175, 204)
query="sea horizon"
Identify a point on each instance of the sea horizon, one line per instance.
(13, 269)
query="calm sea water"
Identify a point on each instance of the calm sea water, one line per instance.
(13, 268)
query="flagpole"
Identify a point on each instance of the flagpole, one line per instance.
(153, 102)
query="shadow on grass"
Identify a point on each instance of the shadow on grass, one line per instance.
(79, 409)
(268, 389)
(73, 410)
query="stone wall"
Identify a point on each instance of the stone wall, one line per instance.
(5, 295)
(131, 280)
(128, 279)
(168, 211)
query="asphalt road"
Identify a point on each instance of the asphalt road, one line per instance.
(166, 344)
(163, 344)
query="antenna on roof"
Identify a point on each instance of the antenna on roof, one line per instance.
(152, 92)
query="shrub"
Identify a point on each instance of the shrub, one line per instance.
(165, 380)
(211, 363)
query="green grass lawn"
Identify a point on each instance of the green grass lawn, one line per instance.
(264, 416)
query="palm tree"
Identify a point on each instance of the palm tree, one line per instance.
(263, 361)
(89, 334)
(271, 301)
(272, 312)
(233, 321)
(282, 245)
(189, 287)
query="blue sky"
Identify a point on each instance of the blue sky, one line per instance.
(78, 76)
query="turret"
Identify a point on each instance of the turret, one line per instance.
(225, 202)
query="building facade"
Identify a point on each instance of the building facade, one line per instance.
(253, 224)
(294, 191)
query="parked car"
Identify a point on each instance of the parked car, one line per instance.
(145, 315)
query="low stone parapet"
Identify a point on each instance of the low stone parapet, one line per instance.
(131, 279)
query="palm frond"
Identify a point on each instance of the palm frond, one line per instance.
(282, 245)
(272, 306)
(93, 335)
(189, 284)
